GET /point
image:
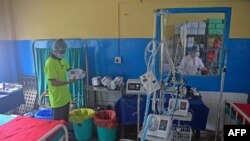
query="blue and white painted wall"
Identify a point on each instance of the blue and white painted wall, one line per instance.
(133, 64)
(117, 28)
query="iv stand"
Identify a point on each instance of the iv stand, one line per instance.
(220, 98)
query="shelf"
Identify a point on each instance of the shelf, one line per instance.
(214, 35)
(183, 118)
(102, 96)
(101, 89)
(199, 35)
(196, 35)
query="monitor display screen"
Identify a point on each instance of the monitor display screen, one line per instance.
(163, 125)
(131, 86)
(183, 106)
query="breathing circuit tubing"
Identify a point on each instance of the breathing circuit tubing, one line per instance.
(150, 67)
(153, 47)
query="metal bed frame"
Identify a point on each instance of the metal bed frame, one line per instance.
(53, 131)
(65, 137)
(238, 112)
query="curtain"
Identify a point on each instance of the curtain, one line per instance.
(74, 57)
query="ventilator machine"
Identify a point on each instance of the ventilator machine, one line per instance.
(159, 123)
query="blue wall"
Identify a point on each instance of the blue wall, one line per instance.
(4, 57)
(238, 72)
(7, 62)
(133, 64)
(24, 58)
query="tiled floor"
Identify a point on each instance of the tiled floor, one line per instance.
(208, 135)
(73, 138)
(204, 136)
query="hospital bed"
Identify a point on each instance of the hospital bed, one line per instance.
(13, 127)
(237, 113)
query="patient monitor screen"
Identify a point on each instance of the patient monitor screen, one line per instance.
(131, 87)
(183, 106)
(163, 125)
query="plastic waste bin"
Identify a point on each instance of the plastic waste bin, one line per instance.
(82, 120)
(44, 113)
(106, 125)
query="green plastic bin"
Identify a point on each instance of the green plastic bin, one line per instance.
(106, 134)
(82, 120)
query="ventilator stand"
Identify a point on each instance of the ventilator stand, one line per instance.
(138, 115)
(220, 98)
(86, 100)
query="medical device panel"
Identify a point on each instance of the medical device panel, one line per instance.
(76, 74)
(178, 106)
(149, 82)
(159, 126)
(96, 81)
(134, 86)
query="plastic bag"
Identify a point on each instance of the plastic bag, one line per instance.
(79, 115)
(44, 113)
(105, 119)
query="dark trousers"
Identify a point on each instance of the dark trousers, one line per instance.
(61, 113)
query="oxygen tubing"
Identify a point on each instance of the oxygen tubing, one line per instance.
(145, 120)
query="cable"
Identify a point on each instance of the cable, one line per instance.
(154, 102)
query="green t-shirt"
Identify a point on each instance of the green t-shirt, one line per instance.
(57, 69)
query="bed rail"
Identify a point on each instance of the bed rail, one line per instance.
(238, 112)
(65, 137)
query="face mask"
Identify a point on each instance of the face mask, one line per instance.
(60, 56)
(197, 54)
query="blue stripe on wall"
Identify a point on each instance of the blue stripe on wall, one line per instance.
(7, 62)
(24, 58)
(133, 64)
(130, 50)
(237, 75)
(4, 58)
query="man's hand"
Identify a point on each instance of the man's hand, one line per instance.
(204, 71)
(72, 80)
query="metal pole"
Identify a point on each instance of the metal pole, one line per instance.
(161, 63)
(220, 98)
(87, 104)
(138, 114)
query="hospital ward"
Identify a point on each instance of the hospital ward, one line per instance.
(124, 70)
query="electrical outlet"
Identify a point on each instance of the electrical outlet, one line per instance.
(118, 60)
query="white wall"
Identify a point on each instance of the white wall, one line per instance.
(211, 100)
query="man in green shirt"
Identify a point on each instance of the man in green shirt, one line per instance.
(56, 69)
